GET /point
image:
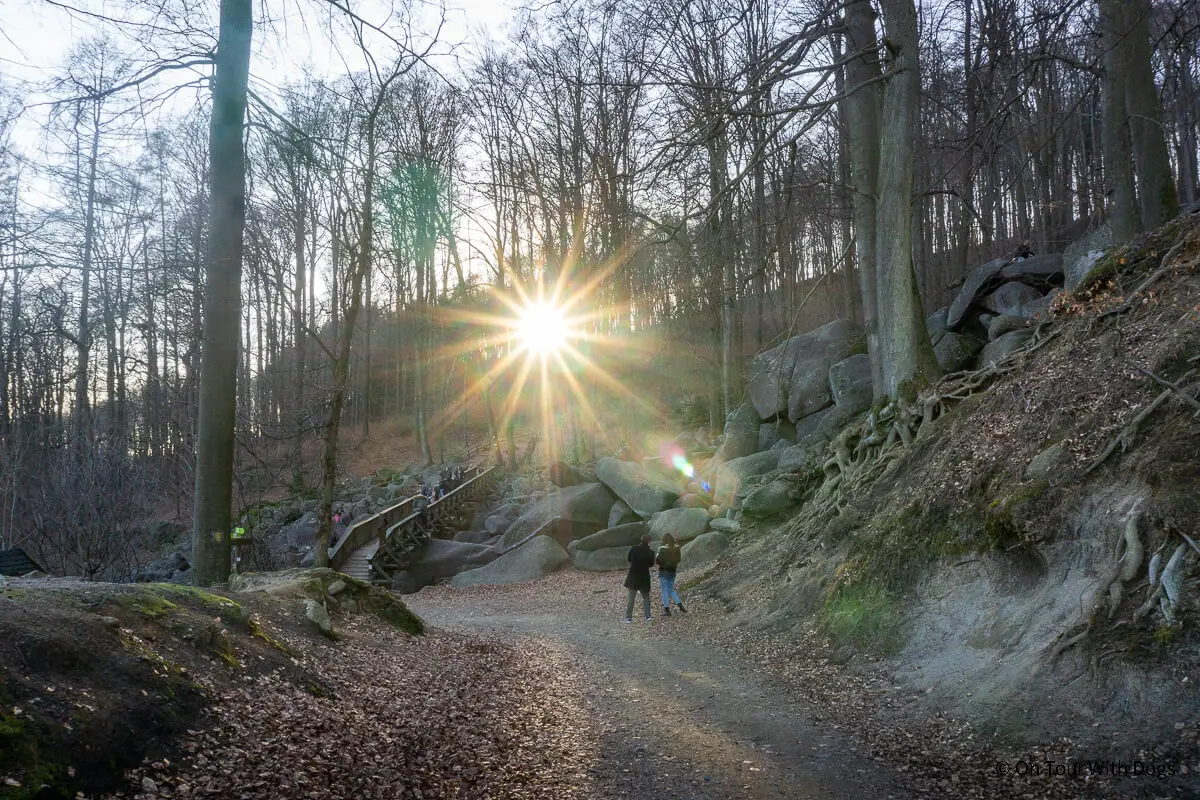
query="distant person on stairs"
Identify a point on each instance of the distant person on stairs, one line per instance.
(668, 559)
(641, 559)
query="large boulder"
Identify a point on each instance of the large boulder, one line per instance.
(537, 557)
(301, 533)
(1006, 345)
(982, 280)
(1040, 309)
(172, 568)
(1081, 257)
(1003, 323)
(850, 383)
(1042, 271)
(439, 559)
(733, 475)
(620, 514)
(954, 351)
(1011, 300)
(831, 425)
(607, 559)
(474, 537)
(771, 498)
(741, 433)
(810, 424)
(620, 536)
(705, 548)
(935, 324)
(684, 524)
(641, 491)
(563, 475)
(772, 433)
(315, 613)
(584, 508)
(778, 374)
(809, 390)
(725, 525)
(798, 459)
(499, 520)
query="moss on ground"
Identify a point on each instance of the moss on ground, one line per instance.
(146, 602)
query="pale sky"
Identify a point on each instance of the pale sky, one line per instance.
(35, 38)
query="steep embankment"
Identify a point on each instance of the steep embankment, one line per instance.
(158, 690)
(1010, 561)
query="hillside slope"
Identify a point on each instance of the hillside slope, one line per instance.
(1009, 562)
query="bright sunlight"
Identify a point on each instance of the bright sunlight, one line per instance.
(542, 328)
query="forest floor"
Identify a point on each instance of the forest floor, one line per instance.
(533, 690)
(687, 707)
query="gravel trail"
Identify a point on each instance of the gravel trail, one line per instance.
(674, 718)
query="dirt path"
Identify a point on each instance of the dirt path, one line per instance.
(671, 718)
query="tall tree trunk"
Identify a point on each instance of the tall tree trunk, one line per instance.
(1159, 201)
(299, 345)
(907, 355)
(82, 411)
(1125, 215)
(222, 297)
(862, 126)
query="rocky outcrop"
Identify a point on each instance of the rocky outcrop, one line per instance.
(641, 491)
(1044, 271)
(1004, 346)
(171, 568)
(582, 508)
(563, 475)
(741, 433)
(790, 380)
(954, 351)
(537, 557)
(771, 433)
(684, 524)
(982, 280)
(607, 559)
(798, 459)
(620, 536)
(1081, 257)
(620, 514)
(732, 476)
(440, 559)
(315, 613)
(1011, 299)
(498, 521)
(850, 383)
(704, 549)
(769, 499)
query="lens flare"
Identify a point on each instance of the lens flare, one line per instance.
(683, 465)
(542, 329)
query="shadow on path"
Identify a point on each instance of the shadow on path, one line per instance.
(676, 719)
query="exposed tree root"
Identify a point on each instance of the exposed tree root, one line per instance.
(1155, 277)
(1124, 437)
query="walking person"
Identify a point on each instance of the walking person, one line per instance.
(641, 559)
(667, 559)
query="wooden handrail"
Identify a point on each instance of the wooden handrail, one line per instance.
(478, 474)
(369, 528)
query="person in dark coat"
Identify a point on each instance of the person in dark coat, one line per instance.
(641, 559)
(668, 559)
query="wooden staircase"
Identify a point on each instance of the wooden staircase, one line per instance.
(358, 563)
(376, 548)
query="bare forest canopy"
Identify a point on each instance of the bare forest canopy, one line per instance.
(705, 176)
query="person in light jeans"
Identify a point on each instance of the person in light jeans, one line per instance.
(641, 559)
(668, 559)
